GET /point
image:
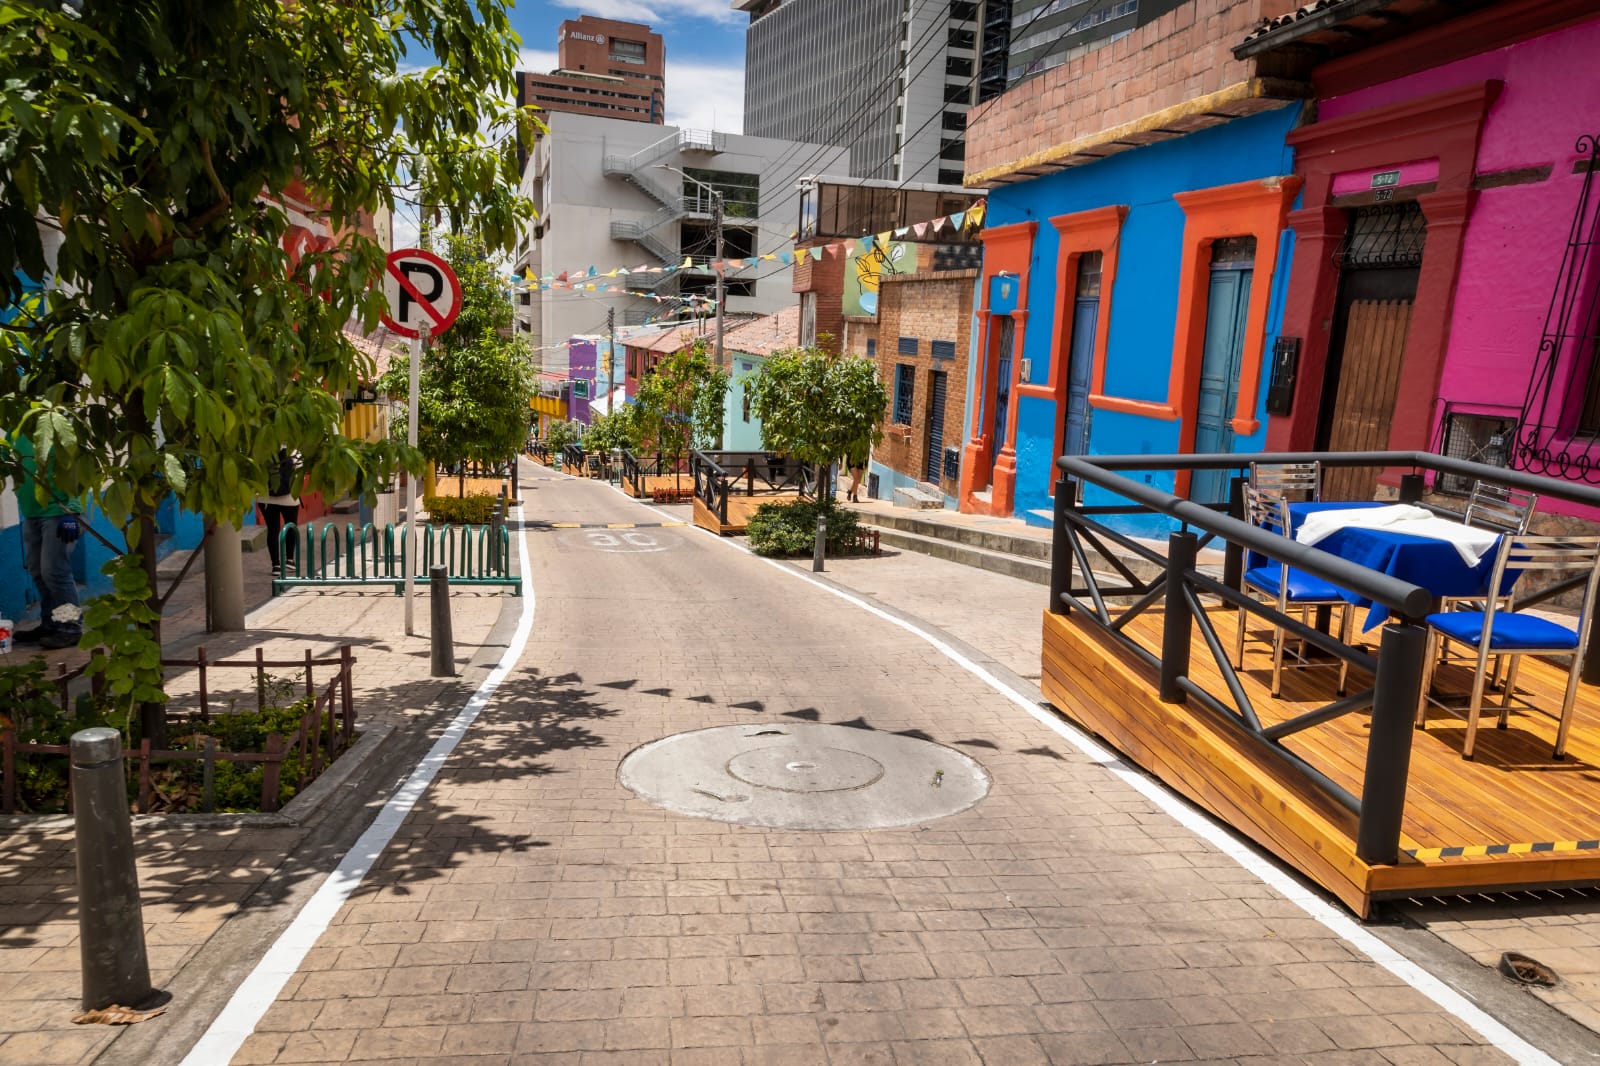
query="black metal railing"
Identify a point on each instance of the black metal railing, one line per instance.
(635, 470)
(717, 475)
(572, 458)
(1188, 597)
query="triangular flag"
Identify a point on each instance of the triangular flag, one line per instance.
(919, 229)
(592, 272)
(562, 276)
(902, 231)
(883, 238)
(785, 258)
(866, 244)
(938, 224)
(958, 219)
(816, 252)
(686, 264)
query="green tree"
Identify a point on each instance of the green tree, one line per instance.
(615, 430)
(679, 404)
(476, 378)
(819, 407)
(152, 144)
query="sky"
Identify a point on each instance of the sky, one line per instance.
(705, 50)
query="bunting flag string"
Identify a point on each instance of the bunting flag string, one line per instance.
(580, 279)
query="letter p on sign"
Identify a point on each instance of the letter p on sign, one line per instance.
(422, 291)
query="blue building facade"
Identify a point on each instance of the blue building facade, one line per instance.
(1127, 305)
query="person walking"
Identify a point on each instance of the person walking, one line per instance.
(281, 505)
(857, 461)
(51, 526)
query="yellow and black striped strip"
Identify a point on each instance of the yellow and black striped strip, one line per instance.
(1479, 850)
(605, 525)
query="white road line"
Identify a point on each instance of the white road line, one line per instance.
(260, 989)
(1218, 836)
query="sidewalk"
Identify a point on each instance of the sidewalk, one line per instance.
(195, 879)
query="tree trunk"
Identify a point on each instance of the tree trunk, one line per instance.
(152, 716)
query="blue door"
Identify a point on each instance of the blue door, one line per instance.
(1228, 303)
(1002, 391)
(1080, 356)
(935, 464)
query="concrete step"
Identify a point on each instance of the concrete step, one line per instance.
(996, 561)
(918, 498)
(972, 536)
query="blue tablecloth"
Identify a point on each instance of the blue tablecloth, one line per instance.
(1433, 564)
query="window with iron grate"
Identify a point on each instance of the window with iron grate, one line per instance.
(905, 383)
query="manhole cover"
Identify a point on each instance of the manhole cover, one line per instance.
(804, 777)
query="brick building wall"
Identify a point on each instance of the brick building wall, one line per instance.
(1183, 57)
(931, 316)
(821, 282)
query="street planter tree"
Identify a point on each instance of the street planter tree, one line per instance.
(679, 405)
(819, 407)
(189, 329)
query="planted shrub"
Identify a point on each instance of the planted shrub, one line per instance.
(474, 510)
(783, 529)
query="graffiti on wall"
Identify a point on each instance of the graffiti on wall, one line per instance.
(864, 270)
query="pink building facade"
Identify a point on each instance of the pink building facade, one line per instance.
(1448, 193)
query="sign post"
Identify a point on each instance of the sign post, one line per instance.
(424, 300)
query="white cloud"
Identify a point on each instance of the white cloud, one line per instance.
(705, 96)
(659, 11)
(537, 61)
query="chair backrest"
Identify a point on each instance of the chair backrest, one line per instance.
(1267, 510)
(1497, 507)
(1561, 557)
(1286, 479)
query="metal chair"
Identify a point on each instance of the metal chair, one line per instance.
(1286, 479)
(1499, 631)
(1497, 507)
(1285, 587)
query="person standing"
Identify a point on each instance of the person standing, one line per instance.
(51, 526)
(282, 504)
(857, 462)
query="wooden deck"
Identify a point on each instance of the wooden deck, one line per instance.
(653, 482)
(740, 508)
(1513, 817)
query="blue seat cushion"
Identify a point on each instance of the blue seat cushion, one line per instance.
(1302, 586)
(1512, 632)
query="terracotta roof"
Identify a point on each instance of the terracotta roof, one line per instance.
(667, 341)
(378, 346)
(767, 334)
(1331, 28)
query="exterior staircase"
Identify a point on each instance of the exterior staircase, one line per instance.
(639, 170)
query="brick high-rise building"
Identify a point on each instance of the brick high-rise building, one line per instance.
(606, 68)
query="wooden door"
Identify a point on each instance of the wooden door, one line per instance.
(1370, 328)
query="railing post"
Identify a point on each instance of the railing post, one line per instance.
(110, 919)
(1394, 710)
(1411, 488)
(1233, 555)
(1179, 623)
(1061, 544)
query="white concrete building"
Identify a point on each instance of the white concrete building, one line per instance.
(606, 199)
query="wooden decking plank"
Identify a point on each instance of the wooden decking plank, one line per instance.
(1510, 795)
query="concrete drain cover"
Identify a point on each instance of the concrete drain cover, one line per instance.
(804, 777)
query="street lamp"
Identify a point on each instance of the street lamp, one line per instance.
(716, 217)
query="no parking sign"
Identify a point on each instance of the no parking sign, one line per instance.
(422, 291)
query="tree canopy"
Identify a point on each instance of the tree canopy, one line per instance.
(817, 406)
(476, 378)
(679, 403)
(196, 182)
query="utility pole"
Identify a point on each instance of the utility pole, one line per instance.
(611, 359)
(721, 270)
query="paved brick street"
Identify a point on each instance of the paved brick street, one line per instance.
(530, 909)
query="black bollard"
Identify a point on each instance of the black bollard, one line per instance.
(822, 544)
(110, 920)
(444, 645)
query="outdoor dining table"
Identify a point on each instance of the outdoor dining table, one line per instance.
(1434, 564)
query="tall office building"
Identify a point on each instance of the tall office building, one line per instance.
(890, 79)
(610, 69)
(1037, 35)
